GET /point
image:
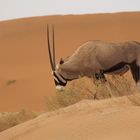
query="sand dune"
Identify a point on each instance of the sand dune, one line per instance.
(25, 78)
(111, 119)
(23, 51)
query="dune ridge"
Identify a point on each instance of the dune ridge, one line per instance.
(110, 119)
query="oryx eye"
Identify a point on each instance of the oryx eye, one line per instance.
(61, 61)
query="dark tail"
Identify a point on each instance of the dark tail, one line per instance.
(135, 71)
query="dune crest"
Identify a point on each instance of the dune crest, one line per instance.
(110, 119)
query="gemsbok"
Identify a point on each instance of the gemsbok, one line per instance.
(94, 59)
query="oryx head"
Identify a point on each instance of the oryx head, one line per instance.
(59, 80)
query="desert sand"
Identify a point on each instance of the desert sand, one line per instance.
(25, 78)
(24, 56)
(110, 119)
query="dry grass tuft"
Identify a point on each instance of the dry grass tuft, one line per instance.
(87, 89)
(135, 100)
(9, 82)
(115, 87)
(76, 91)
(10, 119)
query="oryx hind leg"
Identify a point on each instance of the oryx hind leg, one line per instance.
(138, 81)
(135, 70)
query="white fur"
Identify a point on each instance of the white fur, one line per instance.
(60, 88)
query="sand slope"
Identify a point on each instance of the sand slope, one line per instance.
(23, 51)
(111, 119)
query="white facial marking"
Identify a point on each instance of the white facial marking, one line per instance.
(60, 77)
(57, 66)
(60, 88)
(56, 79)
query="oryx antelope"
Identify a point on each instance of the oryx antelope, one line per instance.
(95, 58)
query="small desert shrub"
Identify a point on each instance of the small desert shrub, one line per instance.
(10, 119)
(9, 82)
(75, 92)
(116, 86)
(87, 89)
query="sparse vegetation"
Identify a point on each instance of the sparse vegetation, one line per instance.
(135, 100)
(70, 96)
(75, 91)
(85, 89)
(115, 87)
(9, 82)
(10, 119)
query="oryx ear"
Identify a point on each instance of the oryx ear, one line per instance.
(61, 61)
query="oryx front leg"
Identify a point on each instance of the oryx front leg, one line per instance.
(100, 76)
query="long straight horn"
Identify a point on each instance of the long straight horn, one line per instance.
(53, 47)
(49, 49)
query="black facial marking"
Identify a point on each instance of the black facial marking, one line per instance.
(59, 81)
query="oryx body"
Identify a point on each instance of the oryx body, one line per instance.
(99, 57)
(94, 56)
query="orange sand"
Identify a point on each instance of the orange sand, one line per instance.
(24, 58)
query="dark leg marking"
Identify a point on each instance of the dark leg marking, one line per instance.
(115, 67)
(135, 71)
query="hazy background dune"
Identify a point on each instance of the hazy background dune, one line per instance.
(24, 58)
